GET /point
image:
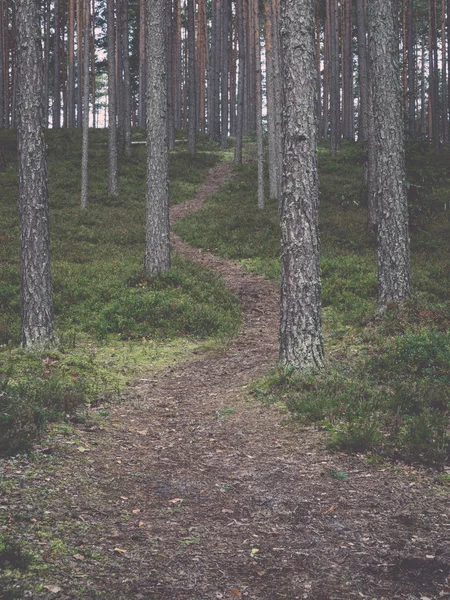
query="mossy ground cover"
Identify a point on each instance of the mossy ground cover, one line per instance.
(112, 321)
(385, 389)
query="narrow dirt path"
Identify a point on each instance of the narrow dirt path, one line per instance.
(193, 492)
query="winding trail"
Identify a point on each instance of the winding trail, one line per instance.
(192, 491)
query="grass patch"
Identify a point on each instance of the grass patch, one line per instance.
(113, 322)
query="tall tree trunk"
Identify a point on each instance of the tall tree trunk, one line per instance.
(367, 133)
(170, 99)
(93, 92)
(326, 70)
(411, 73)
(56, 112)
(46, 81)
(84, 79)
(224, 103)
(270, 93)
(71, 66)
(142, 64)
(192, 89)
(202, 31)
(113, 175)
(433, 93)
(349, 116)
(301, 344)
(444, 79)
(241, 83)
(157, 249)
(258, 103)
(125, 52)
(232, 69)
(80, 27)
(423, 113)
(36, 294)
(2, 66)
(335, 103)
(394, 272)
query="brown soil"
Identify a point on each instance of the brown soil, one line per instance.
(193, 491)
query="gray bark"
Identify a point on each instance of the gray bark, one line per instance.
(2, 69)
(301, 344)
(224, 77)
(394, 274)
(157, 250)
(335, 103)
(192, 88)
(125, 52)
(113, 176)
(258, 105)
(36, 295)
(56, 112)
(85, 107)
(366, 133)
(142, 65)
(241, 85)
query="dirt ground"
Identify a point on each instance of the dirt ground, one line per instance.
(192, 490)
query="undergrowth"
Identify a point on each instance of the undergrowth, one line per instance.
(385, 389)
(112, 321)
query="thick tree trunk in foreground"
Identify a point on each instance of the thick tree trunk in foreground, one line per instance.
(157, 249)
(394, 279)
(36, 282)
(113, 176)
(301, 344)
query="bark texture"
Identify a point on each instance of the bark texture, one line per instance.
(85, 108)
(36, 296)
(113, 176)
(301, 344)
(157, 249)
(394, 274)
(192, 90)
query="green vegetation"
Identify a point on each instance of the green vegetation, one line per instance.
(112, 321)
(385, 390)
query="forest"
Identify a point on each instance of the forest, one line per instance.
(224, 299)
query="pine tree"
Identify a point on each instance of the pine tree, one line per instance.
(394, 273)
(36, 294)
(157, 249)
(301, 344)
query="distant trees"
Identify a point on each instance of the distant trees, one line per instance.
(36, 295)
(301, 344)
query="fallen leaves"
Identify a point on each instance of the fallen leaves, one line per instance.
(54, 589)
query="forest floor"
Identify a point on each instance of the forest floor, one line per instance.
(194, 490)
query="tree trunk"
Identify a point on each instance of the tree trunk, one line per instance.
(56, 112)
(36, 294)
(84, 78)
(142, 64)
(411, 73)
(113, 176)
(46, 81)
(349, 116)
(272, 164)
(367, 133)
(335, 108)
(394, 273)
(2, 67)
(444, 79)
(157, 249)
(202, 30)
(258, 105)
(241, 84)
(301, 344)
(71, 66)
(224, 104)
(192, 89)
(79, 87)
(124, 38)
